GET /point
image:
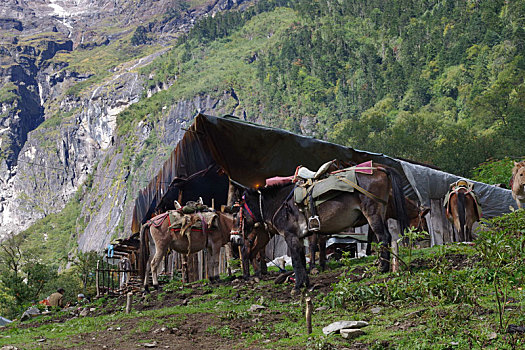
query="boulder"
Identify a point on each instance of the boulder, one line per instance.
(351, 333)
(337, 326)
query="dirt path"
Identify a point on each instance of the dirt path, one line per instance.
(201, 330)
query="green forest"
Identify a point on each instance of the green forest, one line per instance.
(440, 82)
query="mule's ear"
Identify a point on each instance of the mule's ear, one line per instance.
(516, 163)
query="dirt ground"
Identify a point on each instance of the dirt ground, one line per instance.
(189, 331)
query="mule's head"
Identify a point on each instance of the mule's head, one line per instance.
(420, 222)
(518, 181)
(245, 228)
(518, 172)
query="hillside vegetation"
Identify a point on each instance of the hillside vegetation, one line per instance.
(435, 81)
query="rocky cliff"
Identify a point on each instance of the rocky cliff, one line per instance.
(58, 114)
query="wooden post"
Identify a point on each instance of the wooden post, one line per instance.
(309, 308)
(96, 279)
(231, 194)
(395, 260)
(213, 203)
(128, 302)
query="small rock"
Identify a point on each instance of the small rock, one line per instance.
(8, 347)
(493, 335)
(337, 326)
(376, 310)
(41, 340)
(92, 309)
(454, 343)
(84, 312)
(256, 307)
(150, 345)
(321, 308)
(351, 333)
(257, 279)
(117, 329)
(110, 329)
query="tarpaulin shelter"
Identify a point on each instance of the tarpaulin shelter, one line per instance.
(214, 148)
(4, 321)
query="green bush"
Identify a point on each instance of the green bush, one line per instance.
(494, 171)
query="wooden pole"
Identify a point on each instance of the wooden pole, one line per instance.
(395, 260)
(128, 302)
(96, 279)
(180, 197)
(309, 307)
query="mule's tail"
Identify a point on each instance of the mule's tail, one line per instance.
(461, 214)
(144, 252)
(399, 199)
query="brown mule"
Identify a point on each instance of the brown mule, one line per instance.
(462, 209)
(518, 183)
(157, 240)
(416, 219)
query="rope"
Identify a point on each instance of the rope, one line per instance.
(362, 190)
(260, 205)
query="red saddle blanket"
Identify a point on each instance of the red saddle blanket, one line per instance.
(158, 220)
(278, 180)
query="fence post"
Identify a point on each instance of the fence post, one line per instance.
(96, 279)
(309, 307)
(128, 302)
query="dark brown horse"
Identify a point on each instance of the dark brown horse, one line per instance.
(462, 209)
(187, 240)
(254, 236)
(518, 183)
(275, 206)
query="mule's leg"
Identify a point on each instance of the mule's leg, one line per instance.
(262, 262)
(210, 266)
(214, 250)
(371, 238)
(322, 252)
(229, 257)
(255, 263)
(298, 260)
(244, 256)
(185, 278)
(378, 226)
(156, 262)
(146, 275)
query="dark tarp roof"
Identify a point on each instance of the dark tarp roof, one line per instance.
(249, 153)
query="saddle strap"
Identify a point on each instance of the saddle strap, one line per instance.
(362, 190)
